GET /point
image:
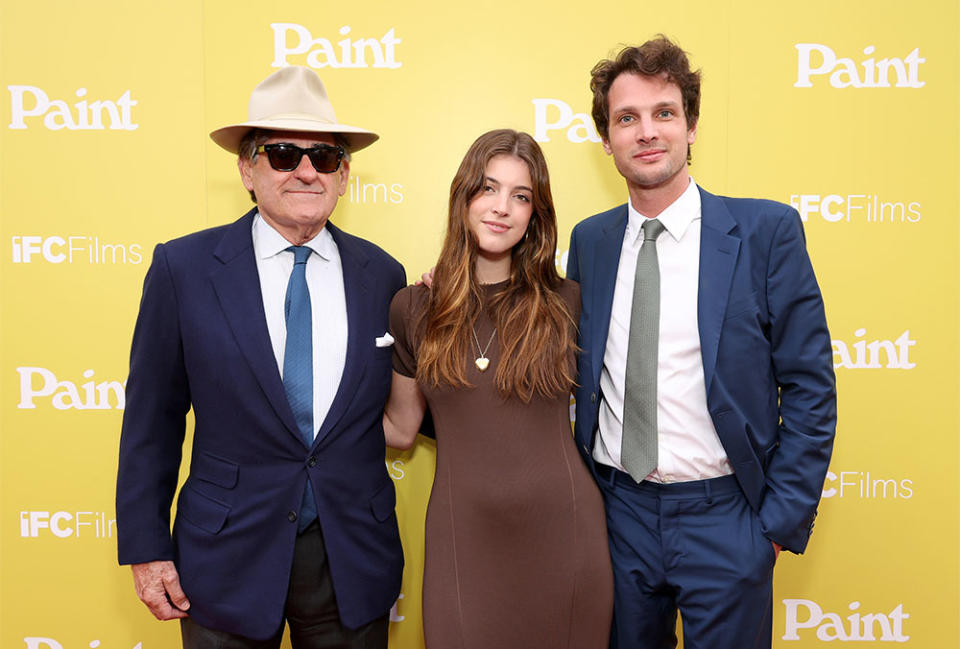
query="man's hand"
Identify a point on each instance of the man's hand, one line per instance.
(426, 279)
(158, 586)
(776, 549)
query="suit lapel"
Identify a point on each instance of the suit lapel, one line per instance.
(237, 285)
(357, 287)
(606, 259)
(718, 259)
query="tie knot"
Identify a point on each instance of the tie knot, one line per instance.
(652, 228)
(300, 254)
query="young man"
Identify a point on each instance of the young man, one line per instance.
(707, 403)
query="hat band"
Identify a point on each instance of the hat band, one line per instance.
(295, 117)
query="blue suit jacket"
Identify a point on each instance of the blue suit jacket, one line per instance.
(767, 356)
(201, 340)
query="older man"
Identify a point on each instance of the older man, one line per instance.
(273, 329)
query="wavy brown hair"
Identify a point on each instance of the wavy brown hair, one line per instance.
(534, 326)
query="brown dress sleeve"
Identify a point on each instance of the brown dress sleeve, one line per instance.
(401, 328)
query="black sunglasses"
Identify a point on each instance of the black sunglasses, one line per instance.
(325, 158)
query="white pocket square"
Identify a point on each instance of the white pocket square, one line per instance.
(385, 340)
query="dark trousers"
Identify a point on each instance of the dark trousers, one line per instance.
(310, 610)
(693, 546)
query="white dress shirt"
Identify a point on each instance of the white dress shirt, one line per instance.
(327, 303)
(688, 447)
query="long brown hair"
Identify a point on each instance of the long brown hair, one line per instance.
(534, 326)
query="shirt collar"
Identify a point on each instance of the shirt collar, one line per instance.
(676, 218)
(269, 242)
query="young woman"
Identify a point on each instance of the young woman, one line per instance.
(516, 543)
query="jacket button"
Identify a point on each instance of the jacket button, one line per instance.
(593, 397)
(312, 462)
(292, 516)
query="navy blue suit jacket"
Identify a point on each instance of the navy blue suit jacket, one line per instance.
(201, 341)
(767, 355)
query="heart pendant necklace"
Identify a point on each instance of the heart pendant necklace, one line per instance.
(482, 362)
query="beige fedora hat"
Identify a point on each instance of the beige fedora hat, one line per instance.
(292, 99)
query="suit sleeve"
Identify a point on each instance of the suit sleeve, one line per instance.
(573, 263)
(400, 279)
(802, 361)
(154, 422)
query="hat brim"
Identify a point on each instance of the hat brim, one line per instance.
(229, 137)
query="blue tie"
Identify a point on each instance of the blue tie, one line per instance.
(298, 363)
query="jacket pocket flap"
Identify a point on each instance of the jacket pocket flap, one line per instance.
(384, 502)
(201, 510)
(216, 470)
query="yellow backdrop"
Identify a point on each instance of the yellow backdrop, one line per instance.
(846, 110)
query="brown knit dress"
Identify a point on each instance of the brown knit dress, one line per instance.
(516, 539)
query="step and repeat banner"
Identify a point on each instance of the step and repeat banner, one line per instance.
(848, 111)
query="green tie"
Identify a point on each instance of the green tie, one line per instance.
(638, 452)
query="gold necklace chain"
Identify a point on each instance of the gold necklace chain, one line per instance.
(482, 362)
